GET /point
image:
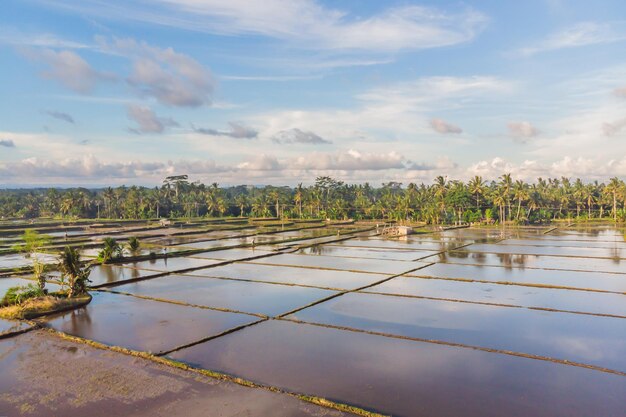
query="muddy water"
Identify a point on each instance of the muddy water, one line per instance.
(580, 301)
(613, 253)
(574, 279)
(10, 326)
(292, 275)
(406, 378)
(83, 381)
(349, 264)
(249, 297)
(140, 324)
(467, 257)
(368, 253)
(588, 339)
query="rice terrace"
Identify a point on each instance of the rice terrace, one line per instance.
(313, 208)
(289, 315)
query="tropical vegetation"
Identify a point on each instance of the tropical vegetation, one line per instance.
(442, 201)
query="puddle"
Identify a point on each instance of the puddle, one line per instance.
(406, 378)
(588, 339)
(292, 275)
(146, 325)
(249, 297)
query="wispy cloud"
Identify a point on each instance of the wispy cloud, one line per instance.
(18, 38)
(170, 77)
(306, 23)
(238, 130)
(60, 116)
(581, 34)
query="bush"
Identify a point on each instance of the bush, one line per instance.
(17, 295)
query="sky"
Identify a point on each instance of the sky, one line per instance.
(112, 92)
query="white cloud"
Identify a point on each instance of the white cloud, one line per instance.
(581, 34)
(620, 92)
(147, 120)
(170, 77)
(68, 68)
(522, 130)
(441, 126)
(295, 135)
(350, 160)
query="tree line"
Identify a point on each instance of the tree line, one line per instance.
(442, 201)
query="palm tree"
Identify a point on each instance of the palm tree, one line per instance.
(506, 182)
(477, 188)
(71, 269)
(297, 198)
(613, 188)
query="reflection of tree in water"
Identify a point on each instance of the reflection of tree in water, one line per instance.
(511, 260)
(616, 254)
(110, 274)
(80, 320)
(316, 250)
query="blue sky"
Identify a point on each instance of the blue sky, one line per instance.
(254, 92)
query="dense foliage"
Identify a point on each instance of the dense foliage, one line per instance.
(442, 201)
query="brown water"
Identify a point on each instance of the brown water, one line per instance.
(407, 378)
(146, 325)
(292, 275)
(249, 297)
(588, 339)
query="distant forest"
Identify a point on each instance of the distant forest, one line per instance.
(443, 201)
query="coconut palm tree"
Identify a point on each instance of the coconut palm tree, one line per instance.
(73, 272)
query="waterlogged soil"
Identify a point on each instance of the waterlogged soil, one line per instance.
(232, 254)
(534, 297)
(140, 324)
(508, 260)
(367, 253)
(588, 339)
(407, 378)
(12, 326)
(586, 252)
(560, 278)
(292, 275)
(249, 297)
(347, 264)
(44, 375)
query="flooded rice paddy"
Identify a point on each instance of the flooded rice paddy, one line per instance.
(527, 321)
